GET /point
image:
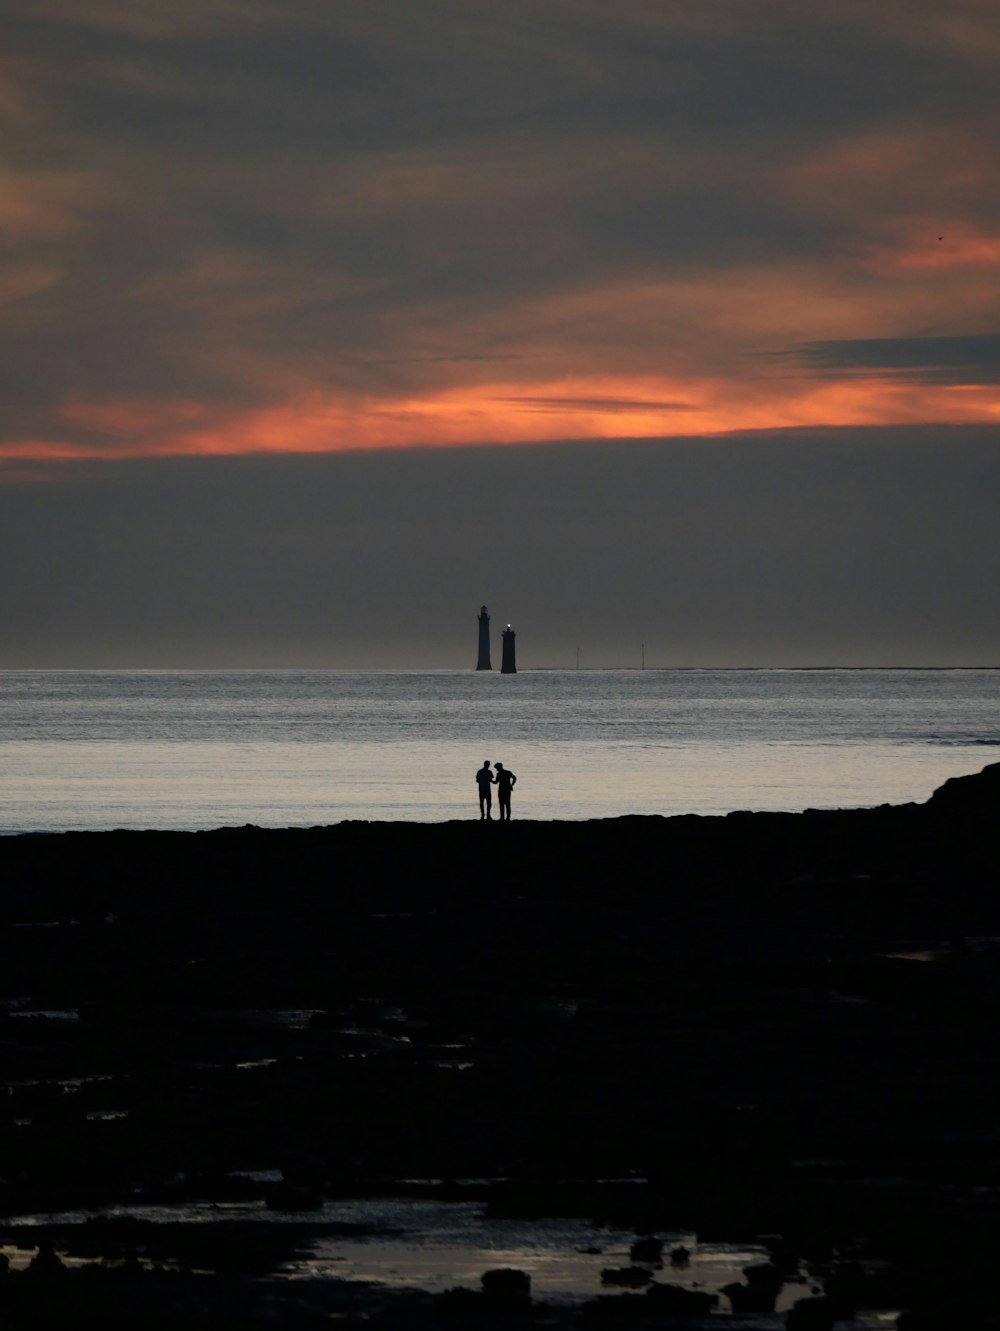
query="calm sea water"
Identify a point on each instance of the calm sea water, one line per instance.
(198, 749)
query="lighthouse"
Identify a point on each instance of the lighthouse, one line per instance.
(507, 665)
(484, 641)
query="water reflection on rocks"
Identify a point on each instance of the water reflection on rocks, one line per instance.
(762, 1045)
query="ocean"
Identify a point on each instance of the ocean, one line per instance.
(185, 749)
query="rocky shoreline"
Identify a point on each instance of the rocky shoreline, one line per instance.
(776, 1029)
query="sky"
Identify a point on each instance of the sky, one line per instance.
(662, 328)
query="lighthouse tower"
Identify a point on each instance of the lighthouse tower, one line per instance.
(507, 665)
(484, 641)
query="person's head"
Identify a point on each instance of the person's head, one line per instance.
(486, 762)
(498, 766)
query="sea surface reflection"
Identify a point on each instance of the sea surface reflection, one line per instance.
(198, 749)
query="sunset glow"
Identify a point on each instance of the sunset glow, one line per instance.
(663, 323)
(597, 408)
(305, 271)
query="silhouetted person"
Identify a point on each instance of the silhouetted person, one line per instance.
(506, 781)
(485, 779)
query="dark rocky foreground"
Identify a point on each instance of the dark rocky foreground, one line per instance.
(760, 1025)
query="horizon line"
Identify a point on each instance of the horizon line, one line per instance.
(472, 670)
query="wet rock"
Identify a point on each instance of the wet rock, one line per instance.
(506, 1285)
(759, 1294)
(459, 1302)
(680, 1256)
(763, 1274)
(784, 1255)
(649, 1249)
(46, 1263)
(676, 1301)
(504, 1290)
(629, 1277)
(977, 793)
(131, 1266)
(850, 1285)
(292, 1197)
(810, 1315)
(766, 926)
(618, 1309)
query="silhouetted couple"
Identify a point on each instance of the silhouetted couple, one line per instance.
(504, 781)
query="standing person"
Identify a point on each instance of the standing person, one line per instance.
(484, 780)
(506, 781)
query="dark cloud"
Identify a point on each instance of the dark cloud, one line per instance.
(451, 153)
(969, 359)
(611, 404)
(362, 77)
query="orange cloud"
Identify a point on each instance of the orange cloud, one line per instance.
(958, 245)
(594, 408)
(131, 420)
